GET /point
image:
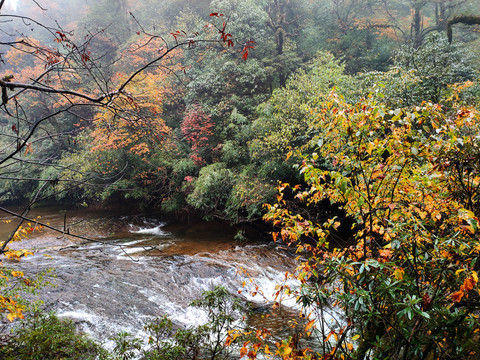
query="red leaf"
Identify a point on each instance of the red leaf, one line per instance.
(246, 47)
(85, 58)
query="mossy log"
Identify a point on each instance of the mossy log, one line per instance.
(467, 20)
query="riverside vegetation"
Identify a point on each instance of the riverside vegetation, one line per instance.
(357, 124)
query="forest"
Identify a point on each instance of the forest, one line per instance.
(346, 130)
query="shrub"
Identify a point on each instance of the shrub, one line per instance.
(47, 337)
(408, 281)
(212, 189)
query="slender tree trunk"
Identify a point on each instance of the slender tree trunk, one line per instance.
(417, 28)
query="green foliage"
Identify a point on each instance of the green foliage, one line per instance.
(47, 337)
(20, 177)
(233, 154)
(437, 64)
(223, 310)
(283, 122)
(362, 50)
(200, 342)
(424, 73)
(221, 84)
(221, 192)
(126, 346)
(160, 341)
(236, 133)
(247, 197)
(247, 19)
(396, 87)
(212, 189)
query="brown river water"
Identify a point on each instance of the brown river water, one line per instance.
(146, 268)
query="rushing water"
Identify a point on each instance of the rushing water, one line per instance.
(144, 269)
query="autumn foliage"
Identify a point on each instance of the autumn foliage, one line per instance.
(197, 128)
(14, 282)
(407, 282)
(138, 127)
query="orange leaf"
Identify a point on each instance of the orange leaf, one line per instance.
(457, 296)
(243, 351)
(468, 283)
(309, 325)
(385, 253)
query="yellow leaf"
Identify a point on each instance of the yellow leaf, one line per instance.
(243, 351)
(398, 273)
(459, 271)
(329, 335)
(475, 276)
(356, 337)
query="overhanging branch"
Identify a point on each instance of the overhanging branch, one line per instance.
(467, 20)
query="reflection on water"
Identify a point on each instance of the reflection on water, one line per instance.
(145, 269)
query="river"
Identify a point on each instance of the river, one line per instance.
(145, 268)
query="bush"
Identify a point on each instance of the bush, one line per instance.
(212, 189)
(47, 337)
(407, 282)
(201, 342)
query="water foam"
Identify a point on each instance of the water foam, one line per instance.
(149, 228)
(157, 230)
